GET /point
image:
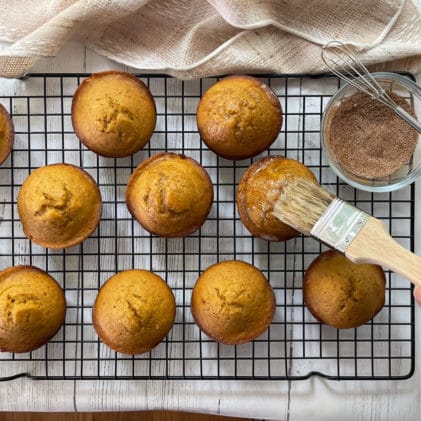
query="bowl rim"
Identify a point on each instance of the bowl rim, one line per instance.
(407, 83)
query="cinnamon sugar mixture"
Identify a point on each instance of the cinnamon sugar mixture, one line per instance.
(369, 139)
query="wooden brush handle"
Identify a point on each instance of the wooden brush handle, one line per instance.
(373, 244)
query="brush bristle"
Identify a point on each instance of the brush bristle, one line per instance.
(301, 203)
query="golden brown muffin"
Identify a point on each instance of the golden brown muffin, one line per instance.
(32, 308)
(232, 302)
(341, 293)
(170, 195)
(59, 206)
(239, 117)
(7, 134)
(258, 191)
(134, 311)
(113, 113)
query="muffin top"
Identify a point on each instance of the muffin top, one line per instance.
(239, 117)
(59, 205)
(232, 302)
(170, 195)
(258, 191)
(113, 113)
(7, 134)
(32, 308)
(341, 293)
(134, 311)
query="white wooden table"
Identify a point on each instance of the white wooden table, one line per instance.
(282, 400)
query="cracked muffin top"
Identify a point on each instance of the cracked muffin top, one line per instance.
(133, 312)
(170, 195)
(239, 117)
(259, 189)
(7, 134)
(232, 302)
(59, 206)
(32, 308)
(341, 293)
(113, 113)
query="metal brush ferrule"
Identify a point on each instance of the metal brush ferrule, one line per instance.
(339, 224)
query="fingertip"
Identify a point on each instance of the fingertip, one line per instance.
(417, 295)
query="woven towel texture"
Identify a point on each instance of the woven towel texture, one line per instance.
(197, 38)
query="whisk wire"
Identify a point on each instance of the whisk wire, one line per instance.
(344, 63)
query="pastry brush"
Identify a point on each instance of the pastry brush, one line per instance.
(312, 210)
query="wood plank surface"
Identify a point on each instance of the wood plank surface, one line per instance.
(113, 416)
(314, 399)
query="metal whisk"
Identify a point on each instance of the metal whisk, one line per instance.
(342, 62)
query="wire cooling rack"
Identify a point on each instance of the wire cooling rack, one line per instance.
(295, 346)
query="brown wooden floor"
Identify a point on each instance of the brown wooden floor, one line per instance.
(113, 416)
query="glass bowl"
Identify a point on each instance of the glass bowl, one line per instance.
(405, 175)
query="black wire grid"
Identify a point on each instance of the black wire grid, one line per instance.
(295, 346)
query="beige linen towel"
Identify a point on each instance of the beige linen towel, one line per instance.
(196, 38)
